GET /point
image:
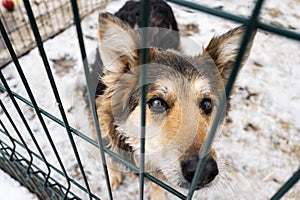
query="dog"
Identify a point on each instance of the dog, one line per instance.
(183, 93)
(161, 16)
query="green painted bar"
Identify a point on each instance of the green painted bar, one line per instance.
(287, 186)
(89, 140)
(52, 117)
(41, 49)
(218, 118)
(145, 13)
(50, 165)
(38, 169)
(90, 93)
(10, 138)
(251, 23)
(225, 15)
(23, 78)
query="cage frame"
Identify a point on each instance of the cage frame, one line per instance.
(40, 182)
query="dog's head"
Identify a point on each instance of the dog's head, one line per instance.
(183, 93)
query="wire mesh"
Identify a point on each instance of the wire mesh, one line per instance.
(52, 17)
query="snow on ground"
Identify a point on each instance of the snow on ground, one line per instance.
(12, 190)
(259, 148)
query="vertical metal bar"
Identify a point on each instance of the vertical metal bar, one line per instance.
(287, 186)
(20, 114)
(22, 117)
(57, 97)
(10, 138)
(90, 93)
(145, 13)
(218, 118)
(55, 91)
(24, 80)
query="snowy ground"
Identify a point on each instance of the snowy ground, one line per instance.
(259, 148)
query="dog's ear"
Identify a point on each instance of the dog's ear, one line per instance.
(223, 50)
(118, 43)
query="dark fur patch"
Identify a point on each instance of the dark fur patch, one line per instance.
(161, 15)
(100, 88)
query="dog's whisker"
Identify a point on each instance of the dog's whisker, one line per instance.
(232, 180)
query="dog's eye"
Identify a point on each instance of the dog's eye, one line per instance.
(207, 105)
(157, 105)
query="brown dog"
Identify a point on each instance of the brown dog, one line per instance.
(183, 93)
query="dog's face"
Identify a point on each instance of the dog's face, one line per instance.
(183, 93)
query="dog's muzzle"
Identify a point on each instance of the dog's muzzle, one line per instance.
(209, 172)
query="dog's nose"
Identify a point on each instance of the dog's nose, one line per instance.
(209, 172)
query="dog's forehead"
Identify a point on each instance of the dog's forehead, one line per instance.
(173, 70)
(202, 86)
(187, 65)
(181, 88)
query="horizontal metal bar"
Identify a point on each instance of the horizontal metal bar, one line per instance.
(43, 55)
(147, 175)
(211, 11)
(52, 166)
(52, 117)
(236, 18)
(37, 169)
(251, 26)
(279, 31)
(89, 140)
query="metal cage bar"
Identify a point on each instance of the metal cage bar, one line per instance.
(145, 13)
(90, 141)
(47, 13)
(90, 93)
(40, 46)
(225, 15)
(287, 186)
(16, 142)
(251, 26)
(33, 179)
(13, 150)
(13, 55)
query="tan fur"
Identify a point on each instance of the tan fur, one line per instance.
(156, 192)
(223, 50)
(177, 133)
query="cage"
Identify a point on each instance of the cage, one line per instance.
(35, 155)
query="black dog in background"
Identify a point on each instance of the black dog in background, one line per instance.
(161, 16)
